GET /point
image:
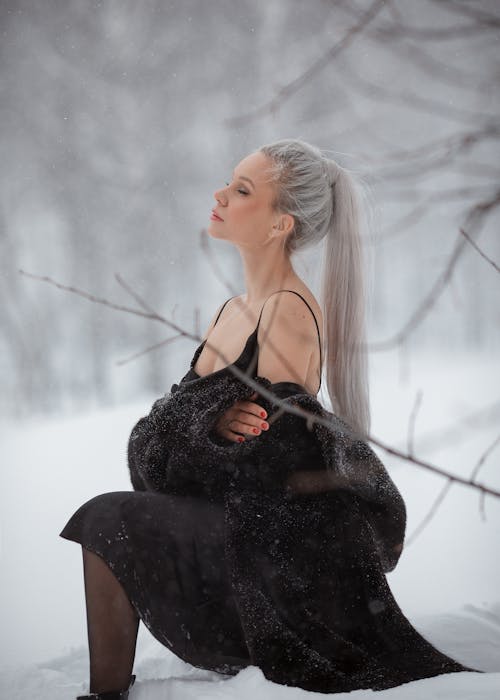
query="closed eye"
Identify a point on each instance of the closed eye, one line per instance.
(240, 190)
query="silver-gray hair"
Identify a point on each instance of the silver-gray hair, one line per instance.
(321, 196)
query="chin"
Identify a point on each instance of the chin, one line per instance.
(212, 230)
(212, 233)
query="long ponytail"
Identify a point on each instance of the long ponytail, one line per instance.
(322, 198)
(343, 302)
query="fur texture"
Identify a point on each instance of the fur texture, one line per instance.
(175, 449)
(312, 521)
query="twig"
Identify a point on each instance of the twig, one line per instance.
(418, 103)
(134, 294)
(468, 30)
(294, 85)
(478, 466)
(445, 490)
(475, 216)
(98, 300)
(433, 509)
(475, 245)
(441, 148)
(310, 417)
(156, 346)
(430, 467)
(411, 422)
(477, 13)
(445, 194)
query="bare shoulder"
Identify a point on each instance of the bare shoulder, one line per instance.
(229, 306)
(290, 309)
(288, 339)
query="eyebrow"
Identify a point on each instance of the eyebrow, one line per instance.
(242, 177)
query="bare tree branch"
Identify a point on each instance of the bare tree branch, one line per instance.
(134, 295)
(411, 422)
(488, 415)
(432, 511)
(440, 497)
(401, 226)
(449, 194)
(397, 28)
(150, 313)
(475, 245)
(483, 457)
(406, 98)
(283, 405)
(441, 151)
(481, 17)
(436, 470)
(156, 346)
(293, 86)
(475, 218)
(478, 466)
(446, 73)
(91, 297)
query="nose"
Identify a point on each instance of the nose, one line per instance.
(219, 195)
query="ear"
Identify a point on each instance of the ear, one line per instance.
(283, 225)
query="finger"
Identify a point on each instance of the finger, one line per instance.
(250, 420)
(229, 435)
(242, 426)
(253, 408)
(236, 436)
(227, 432)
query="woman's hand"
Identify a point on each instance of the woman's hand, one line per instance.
(243, 417)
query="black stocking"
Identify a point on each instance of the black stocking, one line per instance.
(112, 625)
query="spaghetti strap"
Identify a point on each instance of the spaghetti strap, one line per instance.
(251, 346)
(221, 310)
(315, 321)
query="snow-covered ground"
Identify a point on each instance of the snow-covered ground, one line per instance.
(446, 582)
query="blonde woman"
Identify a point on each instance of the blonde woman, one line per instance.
(250, 537)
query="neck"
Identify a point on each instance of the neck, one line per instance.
(265, 272)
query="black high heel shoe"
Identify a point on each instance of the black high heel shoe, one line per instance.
(109, 694)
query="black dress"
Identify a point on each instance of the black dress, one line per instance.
(167, 551)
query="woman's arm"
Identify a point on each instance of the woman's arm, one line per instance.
(176, 449)
(168, 450)
(147, 454)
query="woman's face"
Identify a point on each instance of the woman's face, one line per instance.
(244, 205)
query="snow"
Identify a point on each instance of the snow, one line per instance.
(446, 581)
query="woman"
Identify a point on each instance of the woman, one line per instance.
(294, 585)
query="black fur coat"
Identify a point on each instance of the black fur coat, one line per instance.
(313, 521)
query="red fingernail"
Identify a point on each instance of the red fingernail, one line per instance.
(240, 439)
(263, 414)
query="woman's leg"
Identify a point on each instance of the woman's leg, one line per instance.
(112, 625)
